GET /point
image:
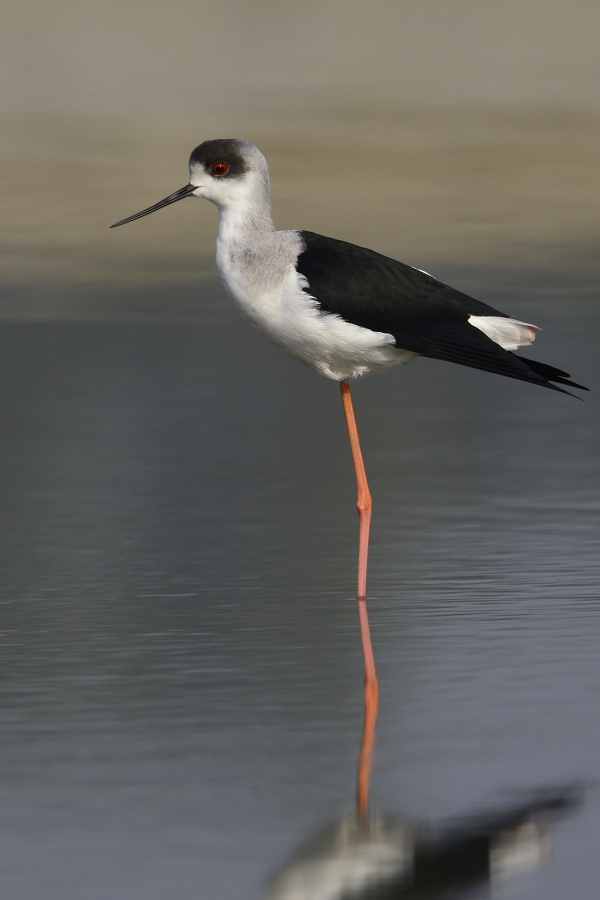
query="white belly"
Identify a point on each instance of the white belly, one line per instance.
(290, 318)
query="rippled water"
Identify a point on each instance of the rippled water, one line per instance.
(182, 672)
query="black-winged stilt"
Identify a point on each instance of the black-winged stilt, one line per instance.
(344, 311)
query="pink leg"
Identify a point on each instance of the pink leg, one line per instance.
(364, 505)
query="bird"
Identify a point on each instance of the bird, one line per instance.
(344, 311)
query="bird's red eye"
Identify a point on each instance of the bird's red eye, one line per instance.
(219, 168)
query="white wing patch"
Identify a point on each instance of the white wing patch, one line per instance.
(510, 334)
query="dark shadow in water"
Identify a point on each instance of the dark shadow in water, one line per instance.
(395, 858)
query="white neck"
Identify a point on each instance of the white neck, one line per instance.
(252, 257)
(245, 217)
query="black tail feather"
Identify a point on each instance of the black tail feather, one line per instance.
(461, 343)
(552, 374)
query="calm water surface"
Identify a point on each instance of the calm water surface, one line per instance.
(182, 671)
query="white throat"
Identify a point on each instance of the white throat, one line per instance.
(245, 210)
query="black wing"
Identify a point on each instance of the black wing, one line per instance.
(423, 314)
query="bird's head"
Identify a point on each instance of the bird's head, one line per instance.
(227, 172)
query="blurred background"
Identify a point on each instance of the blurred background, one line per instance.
(427, 130)
(182, 687)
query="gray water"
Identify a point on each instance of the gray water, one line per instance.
(182, 671)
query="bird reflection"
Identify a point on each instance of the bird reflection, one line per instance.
(385, 858)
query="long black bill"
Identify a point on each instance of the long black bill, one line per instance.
(186, 191)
